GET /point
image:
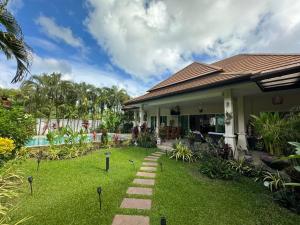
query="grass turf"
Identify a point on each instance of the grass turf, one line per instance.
(65, 193)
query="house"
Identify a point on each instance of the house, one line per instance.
(219, 98)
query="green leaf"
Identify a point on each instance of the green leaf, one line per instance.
(297, 168)
(292, 184)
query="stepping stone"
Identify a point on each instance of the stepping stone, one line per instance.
(150, 159)
(139, 191)
(153, 157)
(149, 182)
(145, 174)
(135, 203)
(149, 169)
(150, 164)
(161, 153)
(131, 220)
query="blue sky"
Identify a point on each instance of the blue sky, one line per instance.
(134, 44)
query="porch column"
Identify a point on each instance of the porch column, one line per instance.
(135, 117)
(229, 122)
(157, 121)
(142, 113)
(242, 140)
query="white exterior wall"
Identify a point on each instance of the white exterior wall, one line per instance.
(263, 103)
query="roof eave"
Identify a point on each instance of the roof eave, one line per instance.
(204, 87)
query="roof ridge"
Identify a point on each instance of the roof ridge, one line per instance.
(209, 65)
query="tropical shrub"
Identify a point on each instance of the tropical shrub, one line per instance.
(181, 151)
(135, 133)
(16, 125)
(7, 145)
(288, 198)
(10, 180)
(274, 181)
(295, 161)
(146, 140)
(116, 140)
(111, 120)
(191, 137)
(276, 130)
(215, 167)
(242, 167)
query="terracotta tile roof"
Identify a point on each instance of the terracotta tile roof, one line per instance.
(191, 71)
(198, 76)
(257, 62)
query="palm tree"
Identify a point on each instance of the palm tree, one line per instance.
(12, 42)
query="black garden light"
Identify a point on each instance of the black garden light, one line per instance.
(163, 221)
(161, 166)
(30, 180)
(38, 163)
(107, 155)
(132, 162)
(99, 191)
(39, 159)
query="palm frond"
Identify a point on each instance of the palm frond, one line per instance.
(17, 48)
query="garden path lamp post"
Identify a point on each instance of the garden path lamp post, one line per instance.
(30, 179)
(99, 191)
(161, 166)
(107, 155)
(163, 221)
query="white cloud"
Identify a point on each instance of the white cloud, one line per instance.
(59, 33)
(146, 41)
(49, 46)
(15, 5)
(71, 70)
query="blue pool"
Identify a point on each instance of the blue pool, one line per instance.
(42, 140)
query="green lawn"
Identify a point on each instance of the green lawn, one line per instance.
(65, 193)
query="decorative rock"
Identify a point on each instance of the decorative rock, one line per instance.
(145, 174)
(149, 182)
(131, 220)
(134, 203)
(139, 191)
(154, 164)
(149, 169)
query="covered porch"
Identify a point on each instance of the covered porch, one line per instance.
(223, 111)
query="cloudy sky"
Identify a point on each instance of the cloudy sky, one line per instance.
(135, 43)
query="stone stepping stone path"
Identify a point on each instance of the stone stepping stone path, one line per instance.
(136, 203)
(149, 182)
(147, 174)
(150, 159)
(139, 191)
(150, 164)
(149, 169)
(131, 220)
